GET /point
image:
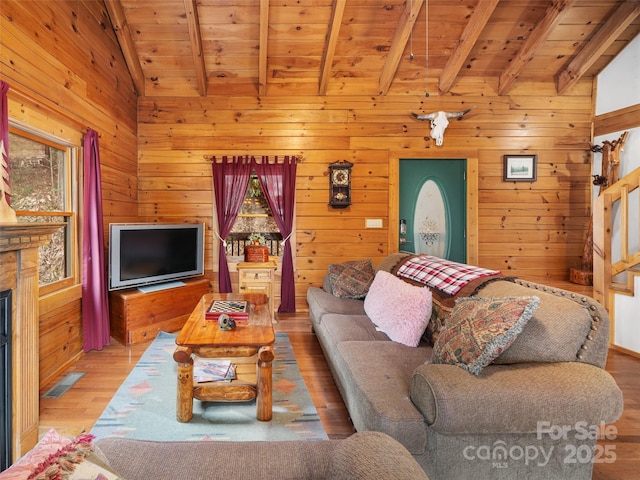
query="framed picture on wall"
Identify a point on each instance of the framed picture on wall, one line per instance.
(520, 168)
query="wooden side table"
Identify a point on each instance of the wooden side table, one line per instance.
(258, 277)
(248, 346)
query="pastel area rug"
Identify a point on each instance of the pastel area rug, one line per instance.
(144, 407)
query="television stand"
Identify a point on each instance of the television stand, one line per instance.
(137, 317)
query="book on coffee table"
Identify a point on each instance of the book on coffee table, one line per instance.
(210, 370)
(236, 309)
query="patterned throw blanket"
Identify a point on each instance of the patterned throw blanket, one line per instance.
(447, 276)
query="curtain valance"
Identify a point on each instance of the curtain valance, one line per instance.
(257, 159)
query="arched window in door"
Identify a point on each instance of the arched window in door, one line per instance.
(431, 233)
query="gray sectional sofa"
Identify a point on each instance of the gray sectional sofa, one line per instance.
(362, 456)
(532, 413)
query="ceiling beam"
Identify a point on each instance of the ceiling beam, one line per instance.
(538, 36)
(195, 38)
(616, 121)
(469, 37)
(123, 33)
(337, 13)
(398, 44)
(597, 45)
(262, 55)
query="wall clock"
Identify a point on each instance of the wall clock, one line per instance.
(340, 184)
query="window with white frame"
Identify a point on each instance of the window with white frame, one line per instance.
(43, 179)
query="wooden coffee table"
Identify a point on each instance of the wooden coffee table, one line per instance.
(247, 346)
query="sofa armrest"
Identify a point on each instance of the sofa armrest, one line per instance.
(514, 398)
(368, 455)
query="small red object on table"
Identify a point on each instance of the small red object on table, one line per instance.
(256, 253)
(236, 309)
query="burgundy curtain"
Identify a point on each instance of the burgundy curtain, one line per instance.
(95, 304)
(4, 134)
(278, 181)
(230, 180)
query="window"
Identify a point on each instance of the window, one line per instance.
(254, 217)
(42, 185)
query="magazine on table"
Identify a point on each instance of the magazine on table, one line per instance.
(211, 370)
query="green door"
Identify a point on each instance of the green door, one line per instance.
(433, 207)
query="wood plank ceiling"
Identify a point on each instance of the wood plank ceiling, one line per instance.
(372, 47)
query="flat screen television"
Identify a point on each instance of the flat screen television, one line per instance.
(143, 254)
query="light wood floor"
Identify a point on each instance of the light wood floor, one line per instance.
(79, 408)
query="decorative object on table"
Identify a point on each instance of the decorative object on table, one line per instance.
(257, 251)
(340, 184)
(520, 168)
(236, 310)
(226, 322)
(257, 238)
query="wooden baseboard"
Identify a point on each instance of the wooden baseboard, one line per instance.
(626, 351)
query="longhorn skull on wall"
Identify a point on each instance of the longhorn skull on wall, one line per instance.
(440, 122)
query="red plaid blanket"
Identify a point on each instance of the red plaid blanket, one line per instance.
(445, 275)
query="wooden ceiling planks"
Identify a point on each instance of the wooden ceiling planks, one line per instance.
(278, 47)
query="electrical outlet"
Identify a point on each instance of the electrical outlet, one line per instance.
(372, 223)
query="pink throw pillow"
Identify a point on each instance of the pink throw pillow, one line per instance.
(46, 448)
(400, 310)
(58, 457)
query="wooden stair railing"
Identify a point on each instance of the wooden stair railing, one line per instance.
(606, 271)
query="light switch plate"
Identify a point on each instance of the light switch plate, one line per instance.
(373, 223)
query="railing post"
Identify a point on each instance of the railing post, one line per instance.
(604, 269)
(601, 249)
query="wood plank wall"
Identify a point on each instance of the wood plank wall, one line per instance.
(66, 73)
(533, 230)
(65, 68)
